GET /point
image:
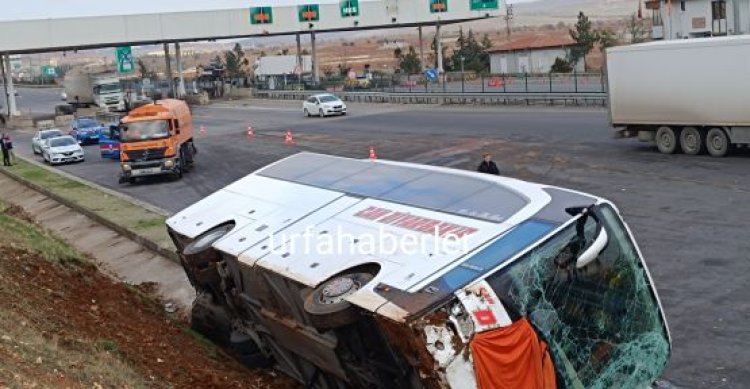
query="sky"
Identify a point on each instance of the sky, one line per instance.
(44, 9)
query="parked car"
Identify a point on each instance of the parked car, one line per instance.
(109, 144)
(323, 105)
(62, 149)
(87, 130)
(41, 136)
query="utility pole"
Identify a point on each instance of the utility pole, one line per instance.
(508, 18)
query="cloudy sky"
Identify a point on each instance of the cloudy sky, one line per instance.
(43, 9)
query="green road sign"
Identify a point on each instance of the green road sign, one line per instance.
(438, 6)
(309, 13)
(49, 71)
(349, 8)
(477, 5)
(261, 15)
(125, 62)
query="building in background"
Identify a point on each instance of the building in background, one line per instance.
(683, 19)
(531, 54)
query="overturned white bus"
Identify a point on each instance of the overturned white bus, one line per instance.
(492, 282)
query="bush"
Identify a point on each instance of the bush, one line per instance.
(561, 65)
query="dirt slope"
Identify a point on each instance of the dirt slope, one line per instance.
(63, 324)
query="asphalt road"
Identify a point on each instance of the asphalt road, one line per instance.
(689, 214)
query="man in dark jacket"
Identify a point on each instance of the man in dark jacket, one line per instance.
(488, 166)
(6, 151)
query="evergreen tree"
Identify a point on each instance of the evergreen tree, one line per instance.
(585, 38)
(408, 62)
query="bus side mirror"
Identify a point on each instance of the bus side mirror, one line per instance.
(177, 126)
(593, 251)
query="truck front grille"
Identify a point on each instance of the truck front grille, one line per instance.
(146, 154)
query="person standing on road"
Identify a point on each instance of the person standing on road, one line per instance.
(488, 165)
(6, 152)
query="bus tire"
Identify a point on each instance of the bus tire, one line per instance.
(326, 305)
(717, 142)
(667, 139)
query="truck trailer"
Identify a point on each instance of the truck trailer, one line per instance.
(685, 95)
(350, 273)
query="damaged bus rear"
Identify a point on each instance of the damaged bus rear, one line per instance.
(366, 274)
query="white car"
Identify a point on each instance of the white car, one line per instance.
(62, 149)
(41, 136)
(323, 105)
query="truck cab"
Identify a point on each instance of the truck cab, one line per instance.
(156, 139)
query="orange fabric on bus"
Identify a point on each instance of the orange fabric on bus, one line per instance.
(512, 357)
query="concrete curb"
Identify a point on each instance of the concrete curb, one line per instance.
(141, 240)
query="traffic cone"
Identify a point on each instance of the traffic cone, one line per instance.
(288, 138)
(373, 156)
(250, 132)
(203, 131)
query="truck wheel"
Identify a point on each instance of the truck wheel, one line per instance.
(326, 304)
(692, 141)
(717, 142)
(666, 140)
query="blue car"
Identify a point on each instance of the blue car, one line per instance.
(87, 130)
(109, 143)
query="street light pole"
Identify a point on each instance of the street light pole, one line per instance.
(463, 59)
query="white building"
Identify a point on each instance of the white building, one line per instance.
(683, 19)
(531, 54)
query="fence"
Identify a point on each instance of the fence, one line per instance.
(455, 82)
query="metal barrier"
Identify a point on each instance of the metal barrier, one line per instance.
(486, 98)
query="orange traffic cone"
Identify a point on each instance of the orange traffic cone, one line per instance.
(373, 156)
(203, 131)
(250, 132)
(288, 138)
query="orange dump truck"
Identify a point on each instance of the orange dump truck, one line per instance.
(157, 139)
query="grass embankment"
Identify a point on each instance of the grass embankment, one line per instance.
(130, 216)
(64, 324)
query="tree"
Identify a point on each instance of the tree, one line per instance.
(144, 70)
(472, 53)
(561, 65)
(408, 62)
(636, 29)
(585, 38)
(236, 62)
(607, 38)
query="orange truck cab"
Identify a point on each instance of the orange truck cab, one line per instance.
(157, 139)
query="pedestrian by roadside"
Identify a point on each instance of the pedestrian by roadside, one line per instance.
(9, 148)
(488, 165)
(6, 152)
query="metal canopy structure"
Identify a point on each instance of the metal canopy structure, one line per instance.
(76, 33)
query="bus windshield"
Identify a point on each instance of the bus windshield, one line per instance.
(602, 322)
(145, 130)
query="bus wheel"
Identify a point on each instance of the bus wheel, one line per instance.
(327, 303)
(692, 141)
(717, 142)
(666, 140)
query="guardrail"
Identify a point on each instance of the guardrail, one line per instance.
(575, 98)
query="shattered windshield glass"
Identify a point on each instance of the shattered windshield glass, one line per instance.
(602, 322)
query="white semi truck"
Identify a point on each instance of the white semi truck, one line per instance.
(375, 274)
(85, 87)
(684, 95)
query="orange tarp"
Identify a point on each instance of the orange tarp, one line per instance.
(512, 357)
